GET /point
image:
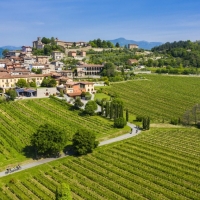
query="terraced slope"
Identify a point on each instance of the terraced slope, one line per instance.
(160, 97)
(159, 164)
(18, 121)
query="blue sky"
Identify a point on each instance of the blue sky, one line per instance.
(22, 21)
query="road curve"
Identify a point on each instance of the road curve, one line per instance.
(134, 131)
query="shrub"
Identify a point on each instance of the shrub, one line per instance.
(90, 107)
(119, 122)
(13, 181)
(139, 118)
(198, 124)
(84, 142)
(174, 121)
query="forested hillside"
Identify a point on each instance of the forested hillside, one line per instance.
(185, 53)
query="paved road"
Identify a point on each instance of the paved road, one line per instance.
(134, 132)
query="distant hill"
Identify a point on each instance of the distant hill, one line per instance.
(9, 48)
(141, 44)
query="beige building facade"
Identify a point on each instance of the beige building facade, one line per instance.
(133, 46)
(9, 81)
(42, 59)
(57, 55)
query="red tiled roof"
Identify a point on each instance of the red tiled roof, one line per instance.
(76, 83)
(74, 94)
(87, 83)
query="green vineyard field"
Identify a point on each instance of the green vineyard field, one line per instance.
(161, 164)
(19, 120)
(160, 97)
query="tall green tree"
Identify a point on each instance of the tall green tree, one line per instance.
(21, 83)
(48, 82)
(119, 122)
(45, 40)
(84, 141)
(99, 42)
(48, 140)
(63, 192)
(90, 107)
(127, 115)
(78, 103)
(53, 42)
(12, 94)
(110, 44)
(109, 70)
(111, 110)
(102, 106)
(117, 45)
(5, 51)
(107, 109)
(146, 123)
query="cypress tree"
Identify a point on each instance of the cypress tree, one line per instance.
(147, 128)
(122, 111)
(127, 116)
(102, 107)
(117, 110)
(107, 109)
(144, 123)
(111, 110)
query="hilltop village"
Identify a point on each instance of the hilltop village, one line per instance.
(22, 64)
(26, 70)
(145, 126)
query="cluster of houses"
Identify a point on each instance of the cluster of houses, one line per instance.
(22, 64)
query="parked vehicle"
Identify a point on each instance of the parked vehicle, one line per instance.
(10, 170)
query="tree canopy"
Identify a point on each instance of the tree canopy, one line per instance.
(48, 82)
(12, 94)
(117, 45)
(5, 51)
(108, 70)
(21, 83)
(84, 142)
(48, 140)
(2, 99)
(176, 54)
(101, 43)
(45, 40)
(119, 122)
(78, 103)
(63, 192)
(90, 107)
